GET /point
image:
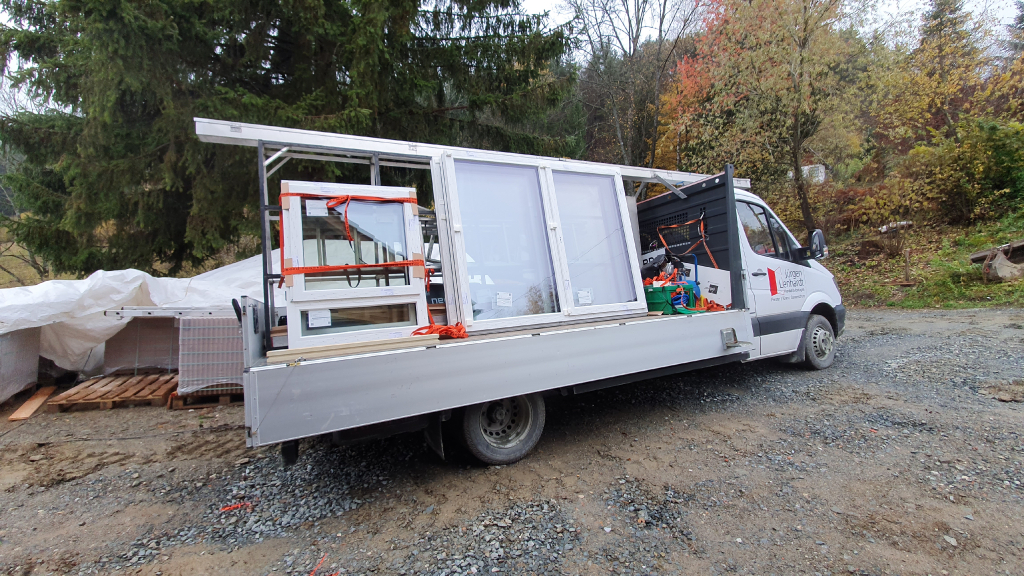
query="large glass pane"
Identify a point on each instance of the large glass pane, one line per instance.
(378, 236)
(595, 240)
(337, 320)
(507, 253)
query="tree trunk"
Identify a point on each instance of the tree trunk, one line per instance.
(618, 130)
(797, 146)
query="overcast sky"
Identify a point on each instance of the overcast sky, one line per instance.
(1003, 10)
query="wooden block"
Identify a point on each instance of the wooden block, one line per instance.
(286, 201)
(312, 352)
(289, 280)
(284, 187)
(279, 331)
(32, 404)
(419, 272)
(415, 210)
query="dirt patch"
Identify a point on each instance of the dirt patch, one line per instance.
(1007, 392)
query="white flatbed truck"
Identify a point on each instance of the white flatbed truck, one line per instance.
(586, 331)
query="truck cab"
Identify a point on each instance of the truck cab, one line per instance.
(789, 297)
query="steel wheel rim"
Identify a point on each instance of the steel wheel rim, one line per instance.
(504, 423)
(822, 342)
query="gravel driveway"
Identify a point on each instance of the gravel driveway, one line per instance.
(903, 458)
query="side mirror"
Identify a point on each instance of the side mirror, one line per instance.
(816, 251)
(818, 248)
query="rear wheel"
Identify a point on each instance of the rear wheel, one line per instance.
(819, 343)
(503, 431)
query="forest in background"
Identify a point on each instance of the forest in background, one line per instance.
(907, 119)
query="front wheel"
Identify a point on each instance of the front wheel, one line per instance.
(819, 343)
(503, 431)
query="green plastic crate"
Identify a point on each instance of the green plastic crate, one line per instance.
(659, 299)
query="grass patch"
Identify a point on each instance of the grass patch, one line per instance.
(940, 265)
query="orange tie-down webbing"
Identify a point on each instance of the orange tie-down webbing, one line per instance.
(457, 331)
(334, 202)
(703, 238)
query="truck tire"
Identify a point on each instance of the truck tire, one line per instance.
(503, 431)
(819, 343)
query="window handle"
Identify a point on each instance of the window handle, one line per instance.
(759, 273)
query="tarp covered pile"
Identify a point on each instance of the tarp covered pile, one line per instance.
(71, 312)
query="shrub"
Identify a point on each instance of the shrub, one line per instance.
(978, 176)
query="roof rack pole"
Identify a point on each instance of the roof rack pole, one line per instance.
(268, 262)
(375, 170)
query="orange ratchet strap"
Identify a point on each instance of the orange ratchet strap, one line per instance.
(334, 202)
(703, 238)
(456, 331)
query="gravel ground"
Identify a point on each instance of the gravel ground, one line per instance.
(900, 459)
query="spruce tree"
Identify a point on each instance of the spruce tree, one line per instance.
(1015, 43)
(113, 175)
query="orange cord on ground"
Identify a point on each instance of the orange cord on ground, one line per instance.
(319, 564)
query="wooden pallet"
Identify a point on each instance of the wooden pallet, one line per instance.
(193, 401)
(107, 392)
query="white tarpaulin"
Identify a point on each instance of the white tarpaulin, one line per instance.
(70, 312)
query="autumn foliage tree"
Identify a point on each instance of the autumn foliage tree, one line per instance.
(765, 80)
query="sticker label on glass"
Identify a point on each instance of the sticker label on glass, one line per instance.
(316, 207)
(504, 300)
(585, 297)
(318, 318)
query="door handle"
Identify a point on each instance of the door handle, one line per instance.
(759, 273)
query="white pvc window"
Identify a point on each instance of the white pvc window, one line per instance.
(358, 304)
(534, 245)
(509, 270)
(594, 238)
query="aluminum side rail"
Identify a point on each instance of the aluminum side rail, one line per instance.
(307, 398)
(365, 150)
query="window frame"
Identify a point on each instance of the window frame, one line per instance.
(769, 215)
(571, 309)
(767, 227)
(298, 298)
(568, 311)
(292, 220)
(297, 340)
(459, 253)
